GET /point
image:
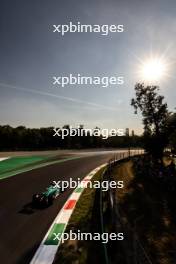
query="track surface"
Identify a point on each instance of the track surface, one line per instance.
(22, 227)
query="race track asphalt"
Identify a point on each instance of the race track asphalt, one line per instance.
(22, 227)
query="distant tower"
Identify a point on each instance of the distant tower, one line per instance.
(132, 133)
(127, 133)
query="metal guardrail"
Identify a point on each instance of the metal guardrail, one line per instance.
(137, 255)
(105, 251)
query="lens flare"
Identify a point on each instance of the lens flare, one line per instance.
(153, 70)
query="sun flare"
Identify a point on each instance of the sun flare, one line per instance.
(153, 70)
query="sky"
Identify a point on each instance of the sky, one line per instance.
(31, 54)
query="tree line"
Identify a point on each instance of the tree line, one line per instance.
(159, 130)
(22, 138)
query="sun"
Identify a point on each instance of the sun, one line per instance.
(153, 70)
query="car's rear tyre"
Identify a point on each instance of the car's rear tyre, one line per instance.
(45, 202)
(51, 199)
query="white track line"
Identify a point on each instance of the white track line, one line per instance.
(5, 158)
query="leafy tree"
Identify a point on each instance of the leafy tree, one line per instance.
(155, 116)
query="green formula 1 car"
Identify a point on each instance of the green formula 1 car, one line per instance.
(47, 197)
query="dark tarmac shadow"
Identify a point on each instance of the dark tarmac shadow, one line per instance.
(28, 209)
(31, 208)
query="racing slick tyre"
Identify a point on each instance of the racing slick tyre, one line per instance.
(45, 202)
(51, 199)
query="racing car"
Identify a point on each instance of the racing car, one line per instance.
(47, 197)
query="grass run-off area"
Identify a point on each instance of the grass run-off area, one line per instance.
(12, 165)
(147, 208)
